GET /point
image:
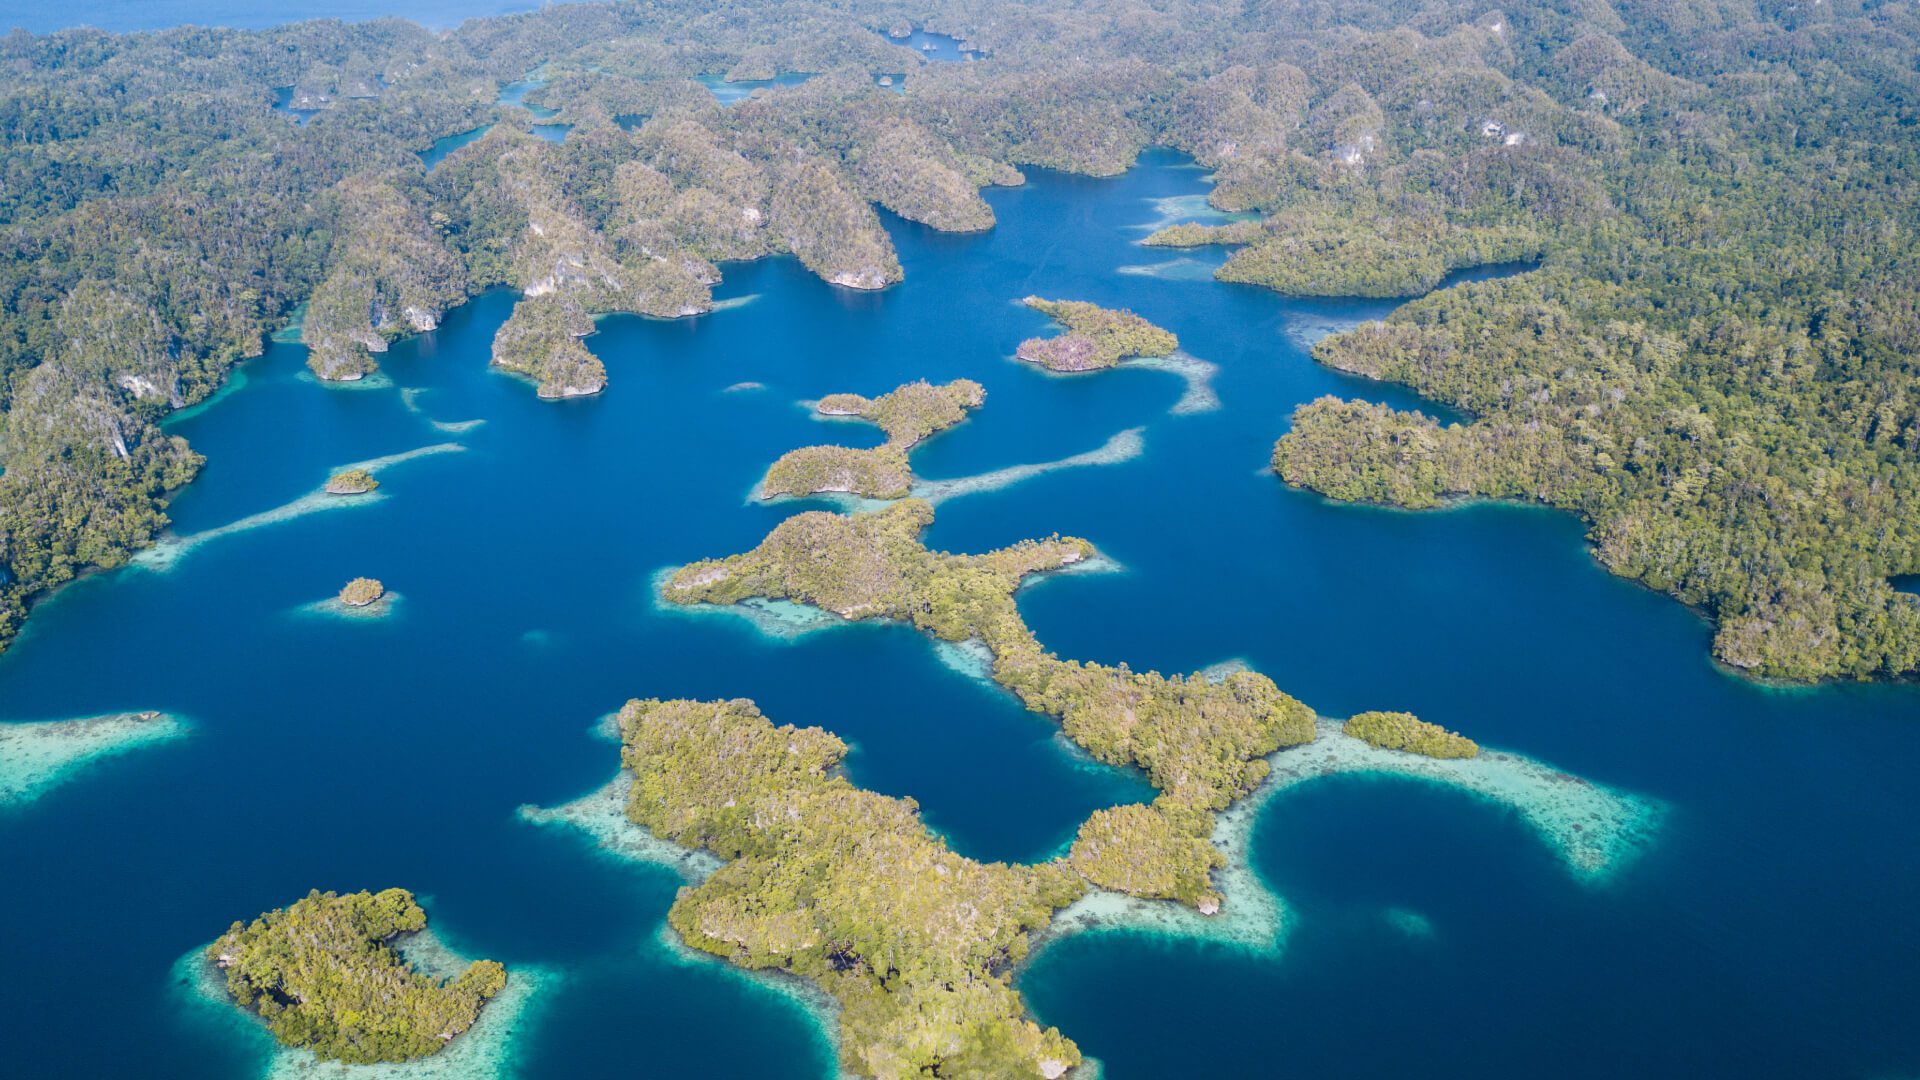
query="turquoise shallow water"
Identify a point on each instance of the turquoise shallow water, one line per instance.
(1766, 933)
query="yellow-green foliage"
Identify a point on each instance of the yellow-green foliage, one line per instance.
(913, 412)
(847, 888)
(908, 415)
(1363, 452)
(1096, 337)
(1334, 252)
(1199, 741)
(1190, 234)
(832, 230)
(391, 275)
(879, 473)
(1161, 852)
(323, 974)
(351, 482)
(1405, 731)
(910, 172)
(541, 341)
(361, 591)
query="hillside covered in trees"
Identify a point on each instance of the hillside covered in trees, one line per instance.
(1713, 362)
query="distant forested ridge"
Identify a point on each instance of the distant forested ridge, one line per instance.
(1714, 362)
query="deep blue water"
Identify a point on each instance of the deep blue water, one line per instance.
(1769, 932)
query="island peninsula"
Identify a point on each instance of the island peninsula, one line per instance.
(1202, 743)
(909, 415)
(1096, 338)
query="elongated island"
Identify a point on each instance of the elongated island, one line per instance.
(909, 415)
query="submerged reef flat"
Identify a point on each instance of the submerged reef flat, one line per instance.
(36, 757)
(1124, 446)
(1183, 268)
(777, 620)
(489, 1050)
(1200, 396)
(1176, 209)
(1595, 830)
(601, 816)
(168, 552)
(1306, 331)
(335, 608)
(410, 397)
(378, 380)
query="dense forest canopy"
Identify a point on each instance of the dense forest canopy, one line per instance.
(1713, 363)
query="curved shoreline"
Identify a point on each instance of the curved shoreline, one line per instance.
(1595, 830)
(486, 1051)
(37, 757)
(600, 817)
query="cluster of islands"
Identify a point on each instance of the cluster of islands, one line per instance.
(1716, 379)
(799, 873)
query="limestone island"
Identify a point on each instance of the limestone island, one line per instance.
(323, 975)
(1405, 731)
(541, 341)
(846, 888)
(35, 757)
(354, 481)
(1201, 742)
(362, 592)
(909, 415)
(1097, 338)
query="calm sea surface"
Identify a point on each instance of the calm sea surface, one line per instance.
(1769, 932)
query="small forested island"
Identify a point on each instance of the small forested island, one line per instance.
(362, 592)
(909, 415)
(847, 888)
(1405, 731)
(322, 974)
(1203, 743)
(351, 482)
(1096, 338)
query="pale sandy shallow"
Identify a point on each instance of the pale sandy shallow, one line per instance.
(334, 608)
(1200, 396)
(164, 555)
(236, 381)
(377, 380)
(37, 757)
(1124, 446)
(1178, 268)
(489, 1049)
(410, 397)
(1596, 831)
(1307, 331)
(1173, 209)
